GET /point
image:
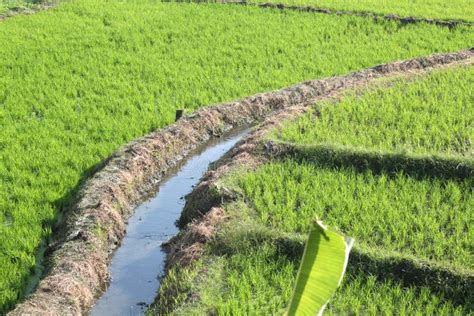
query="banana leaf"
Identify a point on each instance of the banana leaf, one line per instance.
(323, 265)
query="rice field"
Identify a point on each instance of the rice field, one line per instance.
(410, 232)
(79, 81)
(432, 115)
(250, 268)
(429, 219)
(431, 9)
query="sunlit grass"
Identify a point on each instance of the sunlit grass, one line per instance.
(429, 219)
(431, 115)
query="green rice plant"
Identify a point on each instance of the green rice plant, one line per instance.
(432, 114)
(364, 294)
(80, 80)
(409, 271)
(250, 268)
(429, 218)
(434, 9)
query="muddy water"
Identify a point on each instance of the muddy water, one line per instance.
(137, 266)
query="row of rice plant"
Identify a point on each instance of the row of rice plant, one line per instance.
(250, 268)
(433, 115)
(429, 219)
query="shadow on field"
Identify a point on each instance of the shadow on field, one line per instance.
(66, 203)
(390, 163)
(452, 286)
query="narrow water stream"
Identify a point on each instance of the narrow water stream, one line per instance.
(137, 266)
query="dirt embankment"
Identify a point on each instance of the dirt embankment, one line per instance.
(27, 10)
(389, 17)
(94, 228)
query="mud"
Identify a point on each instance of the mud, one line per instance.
(94, 227)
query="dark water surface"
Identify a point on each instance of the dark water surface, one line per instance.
(138, 264)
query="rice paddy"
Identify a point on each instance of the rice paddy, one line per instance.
(410, 231)
(433, 115)
(429, 219)
(84, 78)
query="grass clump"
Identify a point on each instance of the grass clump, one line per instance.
(429, 115)
(79, 81)
(432, 9)
(362, 294)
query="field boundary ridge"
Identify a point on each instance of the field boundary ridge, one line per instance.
(375, 16)
(35, 8)
(450, 23)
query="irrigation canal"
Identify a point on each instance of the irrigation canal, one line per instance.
(138, 264)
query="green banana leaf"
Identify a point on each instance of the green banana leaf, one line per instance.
(322, 268)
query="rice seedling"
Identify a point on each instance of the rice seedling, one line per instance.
(362, 294)
(428, 115)
(429, 219)
(250, 269)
